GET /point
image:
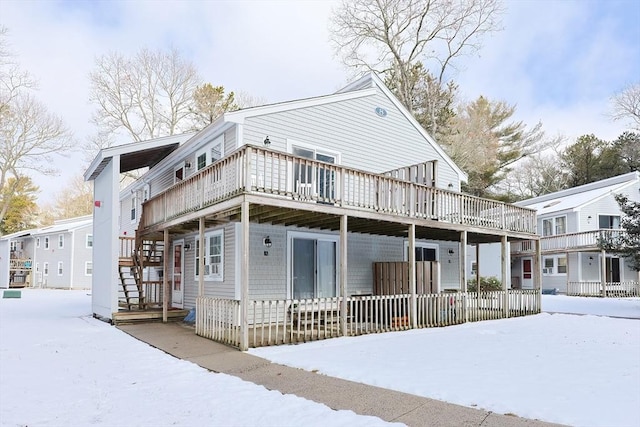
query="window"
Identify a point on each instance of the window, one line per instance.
(312, 180)
(60, 241)
(45, 268)
(134, 203)
(88, 268)
(213, 256)
(609, 222)
(59, 268)
(89, 241)
(474, 268)
(37, 242)
(13, 246)
(554, 226)
(211, 153)
(178, 173)
(37, 267)
(562, 265)
(46, 242)
(554, 265)
(424, 251)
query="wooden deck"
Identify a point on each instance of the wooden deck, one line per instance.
(151, 315)
(285, 189)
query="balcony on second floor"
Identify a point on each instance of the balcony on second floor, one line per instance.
(281, 178)
(569, 242)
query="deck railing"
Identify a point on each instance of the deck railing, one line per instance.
(629, 288)
(275, 322)
(571, 241)
(18, 264)
(258, 170)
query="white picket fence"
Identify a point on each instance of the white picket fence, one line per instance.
(612, 289)
(275, 322)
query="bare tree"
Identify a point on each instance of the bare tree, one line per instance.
(30, 134)
(76, 199)
(395, 35)
(142, 97)
(535, 176)
(626, 105)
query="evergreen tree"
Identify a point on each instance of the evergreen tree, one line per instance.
(626, 244)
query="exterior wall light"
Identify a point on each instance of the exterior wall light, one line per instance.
(267, 241)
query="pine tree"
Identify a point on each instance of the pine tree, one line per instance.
(626, 244)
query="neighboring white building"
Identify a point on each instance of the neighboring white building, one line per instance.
(56, 256)
(569, 223)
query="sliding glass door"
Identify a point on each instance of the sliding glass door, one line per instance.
(314, 268)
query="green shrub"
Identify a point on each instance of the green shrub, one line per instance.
(487, 284)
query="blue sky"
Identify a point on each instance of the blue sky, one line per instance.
(559, 62)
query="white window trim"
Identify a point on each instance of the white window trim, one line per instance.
(184, 172)
(553, 271)
(37, 267)
(60, 269)
(206, 150)
(314, 236)
(133, 208)
(619, 215)
(86, 241)
(60, 241)
(45, 268)
(86, 265)
(211, 277)
(554, 225)
(37, 242)
(421, 245)
(46, 243)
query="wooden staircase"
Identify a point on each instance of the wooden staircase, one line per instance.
(138, 293)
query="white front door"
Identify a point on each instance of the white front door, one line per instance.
(527, 273)
(177, 269)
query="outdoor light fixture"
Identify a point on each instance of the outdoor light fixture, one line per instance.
(187, 165)
(589, 219)
(451, 252)
(450, 186)
(267, 241)
(187, 246)
(266, 141)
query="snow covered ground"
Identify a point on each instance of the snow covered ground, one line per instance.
(61, 367)
(58, 366)
(577, 370)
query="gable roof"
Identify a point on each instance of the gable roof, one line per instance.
(149, 153)
(372, 79)
(136, 155)
(61, 225)
(576, 197)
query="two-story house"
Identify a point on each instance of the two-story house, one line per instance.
(299, 220)
(570, 222)
(56, 256)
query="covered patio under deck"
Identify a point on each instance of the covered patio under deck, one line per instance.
(246, 187)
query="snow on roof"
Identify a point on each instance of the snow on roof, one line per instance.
(62, 226)
(573, 198)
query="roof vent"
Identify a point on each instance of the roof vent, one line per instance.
(555, 202)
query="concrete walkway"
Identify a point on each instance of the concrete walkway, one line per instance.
(181, 342)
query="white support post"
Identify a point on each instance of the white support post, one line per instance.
(165, 277)
(568, 272)
(412, 276)
(201, 257)
(463, 273)
(537, 274)
(244, 278)
(343, 274)
(504, 260)
(603, 272)
(478, 281)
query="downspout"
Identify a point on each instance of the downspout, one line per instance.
(73, 250)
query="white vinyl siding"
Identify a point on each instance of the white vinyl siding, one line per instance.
(45, 268)
(352, 128)
(211, 153)
(88, 241)
(88, 268)
(554, 226)
(60, 270)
